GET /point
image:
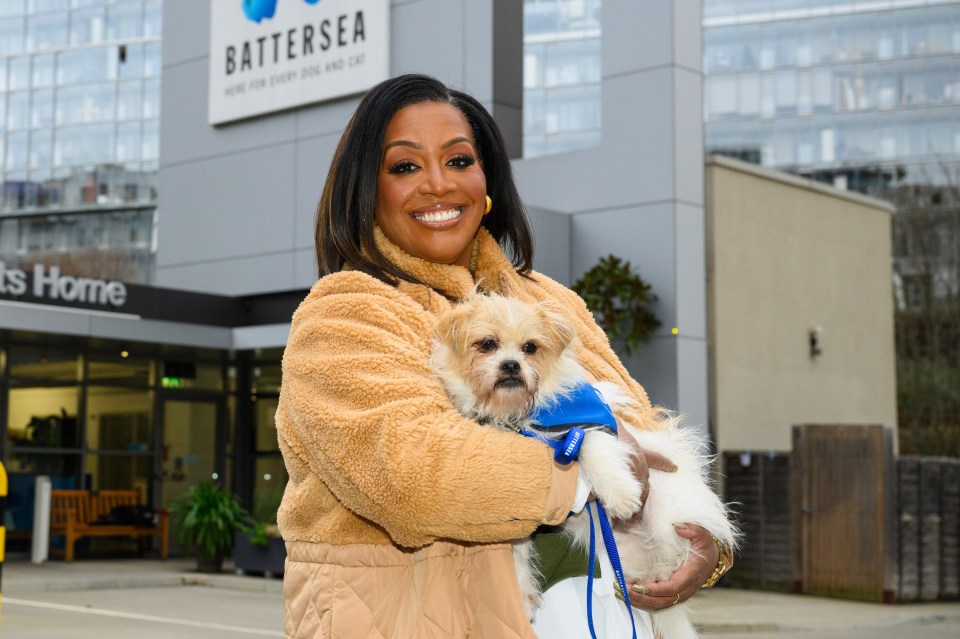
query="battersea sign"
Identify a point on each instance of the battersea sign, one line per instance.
(269, 55)
(47, 284)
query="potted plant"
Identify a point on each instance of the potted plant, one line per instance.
(620, 301)
(207, 517)
(261, 550)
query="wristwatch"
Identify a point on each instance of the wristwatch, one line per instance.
(724, 563)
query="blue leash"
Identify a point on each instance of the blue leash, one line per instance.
(565, 451)
(606, 531)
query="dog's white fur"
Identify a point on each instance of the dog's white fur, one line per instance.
(499, 358)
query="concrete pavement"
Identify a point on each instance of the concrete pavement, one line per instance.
(137, 589)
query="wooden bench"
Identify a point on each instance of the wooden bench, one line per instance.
(75, 513)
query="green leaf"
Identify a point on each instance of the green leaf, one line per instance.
(620, 301)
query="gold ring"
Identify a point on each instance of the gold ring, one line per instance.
(677, 600)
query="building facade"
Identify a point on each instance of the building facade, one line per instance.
(177, 381)
(799, 305)
(862, 95)
(79, 134)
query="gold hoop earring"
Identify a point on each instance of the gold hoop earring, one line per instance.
(489, 205)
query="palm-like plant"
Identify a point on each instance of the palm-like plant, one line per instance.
(206, 517)
(620, 300)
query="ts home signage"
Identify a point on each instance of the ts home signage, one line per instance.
(47, 284)
(269, 55)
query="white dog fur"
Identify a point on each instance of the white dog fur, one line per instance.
(499, 358)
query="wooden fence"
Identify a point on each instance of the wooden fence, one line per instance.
(923, 542)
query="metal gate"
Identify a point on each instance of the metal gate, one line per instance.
(844, 512)
(928, 503)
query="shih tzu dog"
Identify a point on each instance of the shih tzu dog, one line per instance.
(499, 359)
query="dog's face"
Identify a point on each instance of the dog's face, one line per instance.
(496, 355)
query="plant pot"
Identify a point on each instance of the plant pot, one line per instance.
(250, 559)
(210, 564)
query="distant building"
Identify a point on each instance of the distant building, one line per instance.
(79, 134)
(862, 95)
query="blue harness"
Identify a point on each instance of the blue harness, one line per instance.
(584, 406)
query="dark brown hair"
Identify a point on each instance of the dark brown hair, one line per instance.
(347, 211)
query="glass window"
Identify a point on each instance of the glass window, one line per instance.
(151, 99)
(46, 31)
(18, 73)
(124, 21)
(768, 103)
(41, 115)
(151, 140)
(87, 26)
(804, 93)
(265, 439)
(198, 375)
(566, 142)
(41, 149)
(562, 51)
(573, 109)
(17, 147)
(128, 141)
(786, 93)
(47, 5)
(749, 89)
(119, 472)
(721, 96)
(119, 418)
(18, 110)
(131, 62)
(89, 144)
(48, 364)
(572, 63)
(86, 104)
(11, 36)
(43, 71)
(151, 60)
(11, 8)
(86, 65)
(152, 18)
(121, 369)
(266, 379)
(822, 90)
(128, 101)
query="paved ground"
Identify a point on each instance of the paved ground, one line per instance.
(152, 599)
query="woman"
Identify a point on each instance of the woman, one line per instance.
(398, 510)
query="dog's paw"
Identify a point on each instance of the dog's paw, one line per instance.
(622, 499)
(606, 463)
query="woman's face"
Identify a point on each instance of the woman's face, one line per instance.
(431, 188)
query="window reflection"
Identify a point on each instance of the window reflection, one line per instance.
(561, 76)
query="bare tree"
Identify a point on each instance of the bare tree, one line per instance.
(926, 232)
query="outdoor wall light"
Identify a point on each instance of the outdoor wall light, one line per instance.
(814, 334)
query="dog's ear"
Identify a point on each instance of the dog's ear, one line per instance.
(449, 328)
(561, 331)
(505, 289)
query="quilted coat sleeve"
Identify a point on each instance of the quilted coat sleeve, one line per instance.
(359, 410)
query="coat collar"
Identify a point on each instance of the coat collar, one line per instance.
(454, 281)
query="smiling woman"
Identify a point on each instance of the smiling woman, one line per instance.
(399, 511)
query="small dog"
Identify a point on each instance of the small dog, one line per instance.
(499, 358)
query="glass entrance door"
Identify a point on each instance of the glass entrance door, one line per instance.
(189, 448)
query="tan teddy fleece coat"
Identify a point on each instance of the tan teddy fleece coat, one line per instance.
(397, 508)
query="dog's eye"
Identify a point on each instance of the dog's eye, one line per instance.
(530, 348)
(487, 345)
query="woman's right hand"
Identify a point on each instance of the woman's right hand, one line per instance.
(642, 462)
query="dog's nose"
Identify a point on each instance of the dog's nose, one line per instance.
(510, 367)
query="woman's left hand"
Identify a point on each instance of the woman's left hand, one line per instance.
(683, 583)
